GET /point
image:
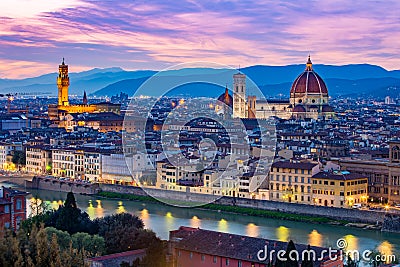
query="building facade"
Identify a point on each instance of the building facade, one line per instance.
(340, 189)
(291, 181)
(38, 160)
(12, 208)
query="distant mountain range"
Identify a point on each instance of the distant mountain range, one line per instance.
(274, 81)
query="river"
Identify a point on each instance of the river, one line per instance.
(162, 219)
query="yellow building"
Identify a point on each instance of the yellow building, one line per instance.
(291, 181)
(59, 112)
(340, 189)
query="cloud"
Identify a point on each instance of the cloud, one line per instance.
(157, 34)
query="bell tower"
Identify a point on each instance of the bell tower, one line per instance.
(63, 84)
(239, 96)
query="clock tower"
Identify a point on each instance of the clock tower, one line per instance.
(63, 84)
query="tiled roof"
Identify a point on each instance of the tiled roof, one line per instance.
(294, 165)
(343, 176)
(227, 245)
(115, 260)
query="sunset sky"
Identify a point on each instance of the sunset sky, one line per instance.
(36, 34)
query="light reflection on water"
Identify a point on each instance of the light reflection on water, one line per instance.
(162, 219)
(252, 230)
(282, 233)
(315, 239)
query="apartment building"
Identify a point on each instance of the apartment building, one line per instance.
(290, 181)
(12, 208)
(340, 189)
(383, 174)
(38, 159)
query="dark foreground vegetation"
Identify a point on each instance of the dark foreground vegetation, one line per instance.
(67, 236)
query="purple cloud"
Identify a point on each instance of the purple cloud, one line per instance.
(155, 34)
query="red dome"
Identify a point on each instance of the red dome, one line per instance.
(226, 98)
(308, 82)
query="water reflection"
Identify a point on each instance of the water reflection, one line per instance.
(154, 217)
(282, 233)
(223, 225)
(385, 248)
(252, 230)
(169, 220)
(99, 209)
(352, 242)
(121, 208)
(315, 239)
(91, 211)
(195, 222)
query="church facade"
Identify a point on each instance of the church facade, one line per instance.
(309, 99)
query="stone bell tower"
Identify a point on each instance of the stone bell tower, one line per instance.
(63, 84)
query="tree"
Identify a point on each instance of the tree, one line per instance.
(93, 245)
(70, 218)
(289, 262)
(10, 254)
(114, 221)
(350, 262)
(63, 238)
(307, 260)
(42, 248)
(55, 257)
(19, 158)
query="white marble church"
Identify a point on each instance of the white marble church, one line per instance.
(308, 99)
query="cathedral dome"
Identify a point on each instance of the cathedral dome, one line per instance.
(308, 83)
(226, 98)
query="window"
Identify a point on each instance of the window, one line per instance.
(179, 253)
(19, 204)
(6, 209)
(203, 258)
(239, 263)
(191, 255)
(215, 259)
(227, 262)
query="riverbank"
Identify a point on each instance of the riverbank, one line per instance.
(242, 206)
(233, 209)
(16, 179)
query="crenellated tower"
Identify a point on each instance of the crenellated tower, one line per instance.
(63, 84)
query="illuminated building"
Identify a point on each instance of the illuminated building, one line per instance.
(340, 189)
(291, 181)
(59, 112)
(309, 99)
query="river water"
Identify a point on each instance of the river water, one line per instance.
(162, 219)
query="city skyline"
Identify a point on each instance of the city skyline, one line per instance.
(156, 35)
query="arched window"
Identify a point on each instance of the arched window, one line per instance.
(395, 152)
